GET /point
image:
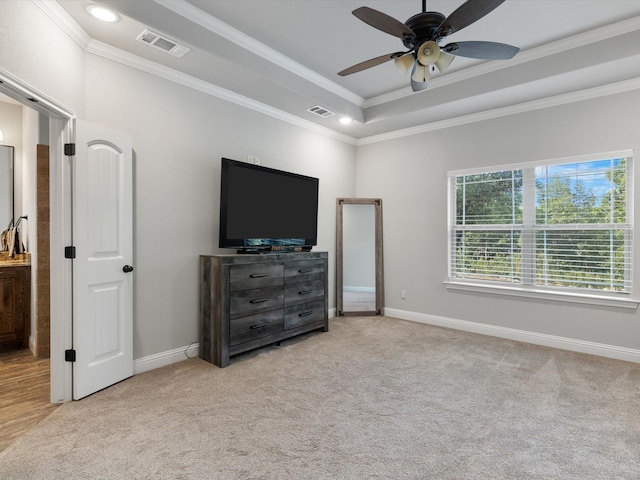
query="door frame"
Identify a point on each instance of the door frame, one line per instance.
(61, 131)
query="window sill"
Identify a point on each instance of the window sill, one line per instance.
(602, 300)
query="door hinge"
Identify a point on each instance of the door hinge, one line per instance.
(70, 252)
(70, 355)
(69, 149)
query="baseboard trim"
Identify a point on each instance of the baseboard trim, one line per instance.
(359, 289)
(162, 359)
(169, 357)
(563, 343)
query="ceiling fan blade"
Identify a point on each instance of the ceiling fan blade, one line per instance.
(482, 50)
(444, 60)
(383, 22)
(465, 15)
(419, 77)
(372, 62)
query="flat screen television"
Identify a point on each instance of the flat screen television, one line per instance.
(263, 209)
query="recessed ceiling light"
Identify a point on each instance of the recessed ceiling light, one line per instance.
(103, 13)
(346, 120)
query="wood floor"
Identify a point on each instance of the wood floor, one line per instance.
(24, 393)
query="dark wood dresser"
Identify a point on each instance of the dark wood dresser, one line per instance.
(248, 301)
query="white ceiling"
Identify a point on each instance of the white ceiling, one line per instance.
(282, 56)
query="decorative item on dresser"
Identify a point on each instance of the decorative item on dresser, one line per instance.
(248, 301)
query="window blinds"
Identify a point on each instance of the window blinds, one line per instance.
(553, 225)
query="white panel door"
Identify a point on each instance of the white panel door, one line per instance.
(103, 267)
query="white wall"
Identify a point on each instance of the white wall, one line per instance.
(29, 226)
(410, 175)
(179, 137)
(11, 126)
(28, 182)
(35, 50)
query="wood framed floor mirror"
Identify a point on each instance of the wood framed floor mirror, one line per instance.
(359, 261)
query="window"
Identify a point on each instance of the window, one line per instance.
(558, 226)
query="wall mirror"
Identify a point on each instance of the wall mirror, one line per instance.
(6, 186)
(359, 265)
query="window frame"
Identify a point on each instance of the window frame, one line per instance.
(530, 289)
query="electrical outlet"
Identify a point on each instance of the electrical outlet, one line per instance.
(256, 160)
(251, 159)
(403, 294)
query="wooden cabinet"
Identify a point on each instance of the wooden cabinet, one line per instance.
(15, 306)
(248, 301)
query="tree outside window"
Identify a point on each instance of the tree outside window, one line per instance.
(562, 225)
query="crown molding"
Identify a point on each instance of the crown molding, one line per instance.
(120, 56)
(548, 102)
(61, 18)
(75, 32)
(194, 14)
(575, 41)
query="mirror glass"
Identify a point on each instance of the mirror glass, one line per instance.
(6, 186)
(359, 261)
(359, 257)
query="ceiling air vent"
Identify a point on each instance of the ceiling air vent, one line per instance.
(320, 111)
(163, 43)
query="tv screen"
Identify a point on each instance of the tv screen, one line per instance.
(266, 209)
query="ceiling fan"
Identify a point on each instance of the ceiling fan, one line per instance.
(422, 35)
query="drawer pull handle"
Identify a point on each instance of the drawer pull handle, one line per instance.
(305, 314)
(259, 325)
(258, 275)
(304, 292)
(304, 270)
(259, 300)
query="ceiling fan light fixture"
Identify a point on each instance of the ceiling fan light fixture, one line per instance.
(420, 73)
(443, 62)
(404, 63)
(428, 52)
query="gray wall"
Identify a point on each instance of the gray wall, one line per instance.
(179, 136)
(410, 175)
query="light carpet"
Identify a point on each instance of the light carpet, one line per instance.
(373, 398)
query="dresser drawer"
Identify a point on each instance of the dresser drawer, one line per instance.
(247, 302)
(303, 314)
(303, 271)
(245, 329)
(244, 277)
(303, 292)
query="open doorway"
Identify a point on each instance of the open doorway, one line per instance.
(55, 129)
(25, 396)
